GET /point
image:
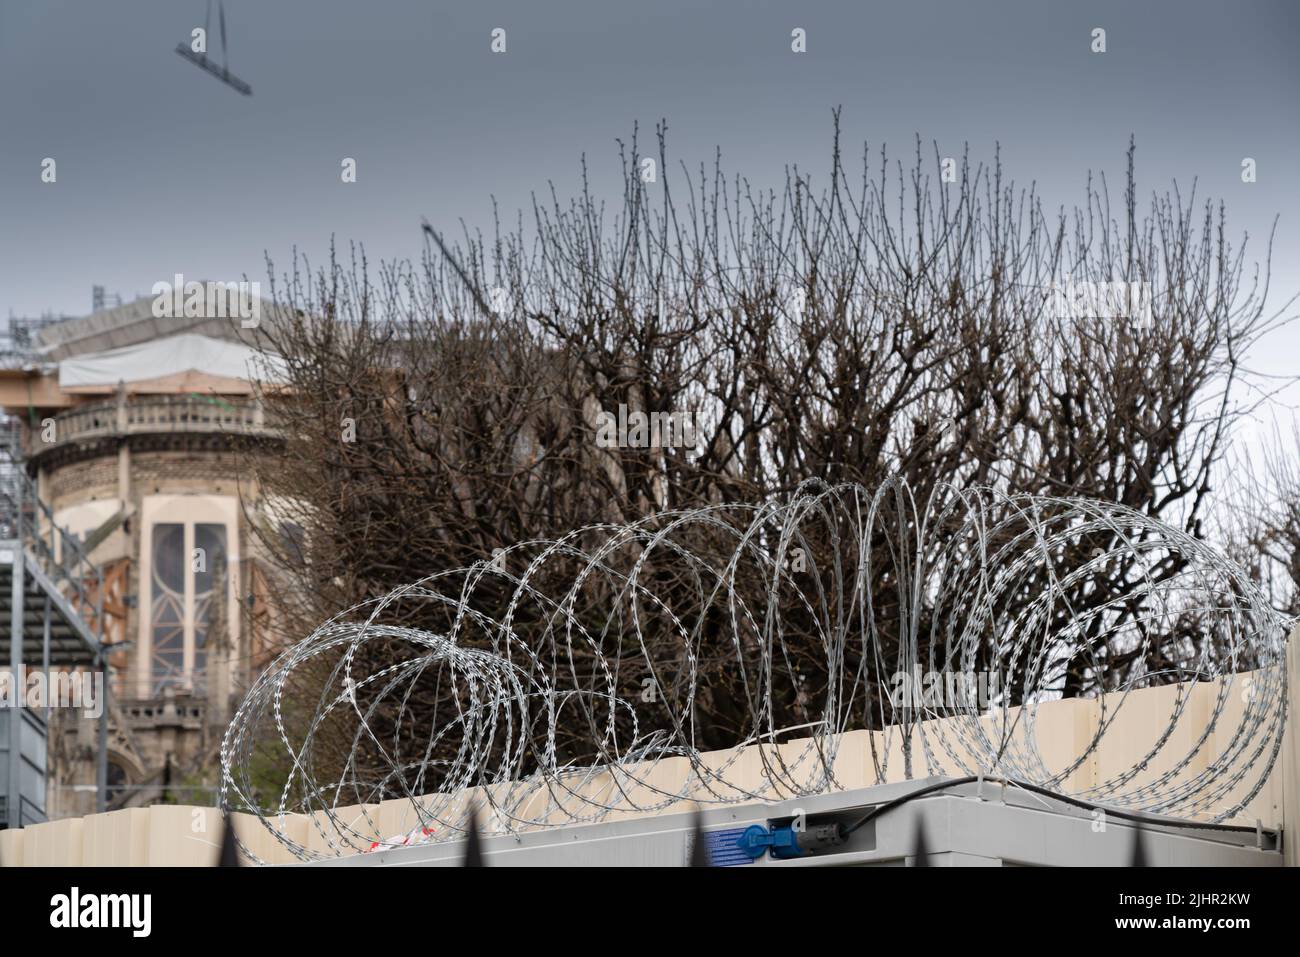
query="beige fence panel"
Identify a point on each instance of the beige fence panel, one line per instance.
(116, 839)
(171, 835)
(1290, 771)
(53, 844)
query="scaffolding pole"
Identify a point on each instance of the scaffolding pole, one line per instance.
(13, 801)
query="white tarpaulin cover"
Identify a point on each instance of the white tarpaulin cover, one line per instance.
(164, 357)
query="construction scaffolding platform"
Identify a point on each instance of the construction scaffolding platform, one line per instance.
(49, 602)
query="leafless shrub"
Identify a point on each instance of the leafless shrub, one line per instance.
(871, 326)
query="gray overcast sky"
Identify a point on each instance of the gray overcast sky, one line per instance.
(162, 169)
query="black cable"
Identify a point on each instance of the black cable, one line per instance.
(1045, 792)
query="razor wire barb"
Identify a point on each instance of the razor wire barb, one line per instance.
(1036, 591)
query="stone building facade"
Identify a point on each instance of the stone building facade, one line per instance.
(140, 450)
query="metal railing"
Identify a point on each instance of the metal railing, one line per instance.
(24, 517)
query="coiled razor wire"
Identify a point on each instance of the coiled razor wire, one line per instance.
(525, 704)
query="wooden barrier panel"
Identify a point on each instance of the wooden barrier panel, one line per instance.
(1290, 771)
(118, 838)
(54, 843)
(264, 844)
(181, 836)
(355, 825)
(11, 848)
(173, 835)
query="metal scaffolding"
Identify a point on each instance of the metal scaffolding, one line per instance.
(53, 597)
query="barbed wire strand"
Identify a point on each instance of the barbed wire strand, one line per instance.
(978, 583)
